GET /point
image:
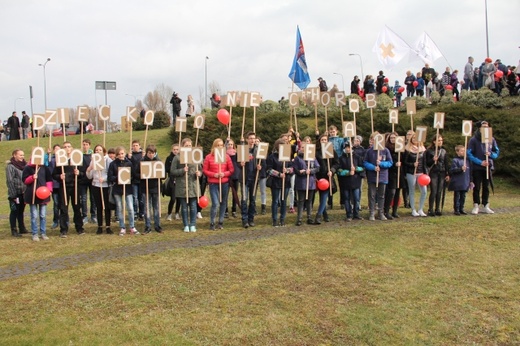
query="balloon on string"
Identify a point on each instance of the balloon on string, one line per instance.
(223, 116)
(203, 202)
(449, 87)
(401, 89)
(386, 80)
(43, 192)
(415, 83)
(323, 184)
(217, 98)
(499, 74)
(424, 180)
(384, 88)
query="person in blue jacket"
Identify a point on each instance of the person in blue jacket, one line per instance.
(482, 156)
(377, 161)
(460, 180)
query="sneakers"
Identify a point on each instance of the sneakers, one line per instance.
(63, 235)
(234, 214)
(226, 215)
(220, 225)
(44, 237)
(99, 230)
(177, 216)
(133, 231)
(414, 213)
(85, 220)
(251, 223)
(211, 226)
(147, 230)
(122, 232)
(169, 218)
(462, 212)
(109, 231)
(93, 219)
(431, 213)
(193, 229)
(382, 216)
(186, 229)
(474, 211)
(456, 212)
(291, 210)
(275, 223)
(422, 213)
(158, 229)
(372, 217)
(81, 231)
(54, 225)
(487, 210)
(35, 237)
(245, 224)
(199, 215)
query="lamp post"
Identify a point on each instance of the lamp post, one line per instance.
(361, 62)
(45, 82)
(15, 100)
(487, 35)
(342, 80)
(206, 81)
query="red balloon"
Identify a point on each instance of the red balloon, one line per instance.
(415, 83)
(323, 184)
(217, 98)
(203, 202)
(401, 89)
(424, 180)
(43, 192)
(384, 88)
(449, 87)
(499, 74)
(223, 116)
(386, 80)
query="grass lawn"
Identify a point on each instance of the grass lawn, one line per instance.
(430, 281)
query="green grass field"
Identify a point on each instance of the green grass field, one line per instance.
(430, 281)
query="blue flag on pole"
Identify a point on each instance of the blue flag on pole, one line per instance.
(299, 74)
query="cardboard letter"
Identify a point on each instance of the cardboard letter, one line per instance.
(438, 120)
(467, 128)
(353, 106)
(371, 100)
(393, 116)
(149, 117)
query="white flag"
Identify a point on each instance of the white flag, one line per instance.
(426, 50)
(390, 48)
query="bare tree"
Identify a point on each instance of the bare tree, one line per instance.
(159, 98)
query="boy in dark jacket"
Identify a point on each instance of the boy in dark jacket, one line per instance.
(460, 180)
(150, 191)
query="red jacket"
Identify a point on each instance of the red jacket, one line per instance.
(210, 168)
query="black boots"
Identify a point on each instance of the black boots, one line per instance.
(14, 233)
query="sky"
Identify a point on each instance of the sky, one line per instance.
(250, 45)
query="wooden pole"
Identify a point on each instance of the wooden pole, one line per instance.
(377, 171)
(372, 119)
(34, 186)
(283, 180)
(64, 186)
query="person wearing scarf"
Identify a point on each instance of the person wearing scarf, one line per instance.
(15, 191)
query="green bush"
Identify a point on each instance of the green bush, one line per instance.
(161, 120)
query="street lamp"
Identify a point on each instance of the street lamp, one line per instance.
(361, 62)
(206, 82)
(45, 82)
(342, 80)
(15, 100)
(487, 35)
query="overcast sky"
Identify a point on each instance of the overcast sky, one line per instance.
(250, 45)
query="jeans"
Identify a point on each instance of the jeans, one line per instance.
(353, 196)
(83, 200)
(291, 191)
(324, 197)
(153, 203)
(248, 195)
(376, 194)
(38, 214)
(138, 200)
(192, 205)
(263, 192)
(277, 201)
(218, 200)
(468, 84)
(56, 205)
(459, 199)
(411, 179)
(129, 199)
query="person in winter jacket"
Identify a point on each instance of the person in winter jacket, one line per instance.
(327, 170)
(218, 175)
(280, 173)
(414, 166)
(99, 190)
(350, 169)
(122, 190)
(35, 177)
(15, 191)
(460, 180)
(377, 163)
(186, 185)
(249, 169)
(392, 191)
(150, 190)
(482, 156)
(438, 167)
(171, 185)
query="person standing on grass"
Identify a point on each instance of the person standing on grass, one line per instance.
(278, 174)
(150, 195)
(69, 195)
(415, 165)
(51, 163)
(305, 171)
(460, 180)
(327, 170)
(135, 156)
(438, 167)
(171, 185)
(234, 179)
(100, 188)
(85, 186)
(186, 176)
(120, 192)
(392, 191)
(35, 177)
(350, 171)
(218, 175)
(15, 191)
(249, 169)
(377, 163)
(482, 157)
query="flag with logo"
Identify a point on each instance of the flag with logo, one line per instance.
(390, 48)
(426, 50)
(299, 74)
